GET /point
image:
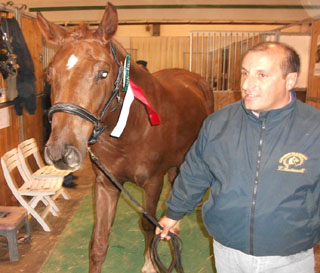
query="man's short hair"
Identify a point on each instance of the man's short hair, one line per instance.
(291, 62)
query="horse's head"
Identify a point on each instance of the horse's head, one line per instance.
(83, 75)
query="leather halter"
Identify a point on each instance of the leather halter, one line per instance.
(84, 113)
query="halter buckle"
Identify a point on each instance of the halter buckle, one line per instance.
(97, 131)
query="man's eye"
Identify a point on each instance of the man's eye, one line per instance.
(244, 73)
(262, 75)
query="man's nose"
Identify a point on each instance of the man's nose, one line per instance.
(248, 82)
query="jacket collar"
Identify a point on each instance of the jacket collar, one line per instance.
(273, 115)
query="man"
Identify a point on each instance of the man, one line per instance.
(260, 157)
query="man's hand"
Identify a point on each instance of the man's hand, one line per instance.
(168, 225)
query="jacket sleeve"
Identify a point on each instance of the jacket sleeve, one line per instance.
(193, 180)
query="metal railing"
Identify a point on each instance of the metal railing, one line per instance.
(216, 55)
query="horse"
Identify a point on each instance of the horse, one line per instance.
(87, 76)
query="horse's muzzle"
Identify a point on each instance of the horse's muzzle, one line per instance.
(69, 159)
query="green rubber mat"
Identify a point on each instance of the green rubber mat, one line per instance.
(125, 254)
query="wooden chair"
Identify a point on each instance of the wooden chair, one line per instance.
(28, 149)
(32, 190)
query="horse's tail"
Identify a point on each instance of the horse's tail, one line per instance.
(207, 92)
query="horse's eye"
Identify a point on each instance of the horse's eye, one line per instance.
(102, 74)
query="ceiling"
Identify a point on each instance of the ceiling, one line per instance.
(176, 11)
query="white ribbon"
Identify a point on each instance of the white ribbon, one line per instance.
(128, 99)
(121, 124)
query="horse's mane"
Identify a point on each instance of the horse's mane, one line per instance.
(119, 47)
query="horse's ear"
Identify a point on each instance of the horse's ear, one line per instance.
(50, 31)
(109, 23)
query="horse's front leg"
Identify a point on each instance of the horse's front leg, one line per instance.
(153, 188)
(106, 199)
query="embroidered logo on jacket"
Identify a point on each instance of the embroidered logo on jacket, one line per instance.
(292, 162)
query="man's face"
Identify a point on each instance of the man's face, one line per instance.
(263, 87)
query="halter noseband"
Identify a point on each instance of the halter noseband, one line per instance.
(84, 113)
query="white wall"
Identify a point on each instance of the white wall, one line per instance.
(302, 45)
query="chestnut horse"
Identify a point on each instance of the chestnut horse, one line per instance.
(86, 88)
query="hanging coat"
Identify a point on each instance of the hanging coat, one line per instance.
(26, 82)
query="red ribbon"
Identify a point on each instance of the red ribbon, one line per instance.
(138, 93)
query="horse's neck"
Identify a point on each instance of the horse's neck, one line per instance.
(137, 74)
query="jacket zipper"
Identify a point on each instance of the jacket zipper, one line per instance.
(255, 185)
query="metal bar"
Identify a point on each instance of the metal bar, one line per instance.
(245, 32)
(277, 36)
(213, 59)
(218, 68)
(197, 52)
(241, 49)
(16, 11)
(174, 6)
(235, 60)
(224, 61)
(229, 65)
(191, 53)
(253, 39)
(208, 56)
(223, 54)
(202, 55)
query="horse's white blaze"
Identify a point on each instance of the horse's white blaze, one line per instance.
(72, 61)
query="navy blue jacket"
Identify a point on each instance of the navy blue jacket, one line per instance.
(264, 179)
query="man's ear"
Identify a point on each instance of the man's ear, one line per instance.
(291, 80)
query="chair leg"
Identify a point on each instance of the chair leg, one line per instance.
(40, 220)
(65, 195)
(49, 208)
(53, 211)
(52, 203)
(54, 197)
(30, 207)
(13, 246)
(27, 228)
(34, 201)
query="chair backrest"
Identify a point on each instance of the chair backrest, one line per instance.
(9, 162)
(38, 190)
(26, 149)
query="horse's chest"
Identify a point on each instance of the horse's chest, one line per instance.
(137, 167)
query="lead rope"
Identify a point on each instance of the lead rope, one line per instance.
(175, 240)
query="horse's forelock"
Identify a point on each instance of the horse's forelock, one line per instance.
(80, 32)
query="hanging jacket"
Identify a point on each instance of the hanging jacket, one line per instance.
(264, 179)
(26, 81)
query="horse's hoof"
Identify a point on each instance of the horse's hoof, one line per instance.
(149, 271)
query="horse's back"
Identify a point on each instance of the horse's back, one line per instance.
(181, 82)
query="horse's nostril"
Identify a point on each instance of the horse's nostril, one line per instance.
(71, 156)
